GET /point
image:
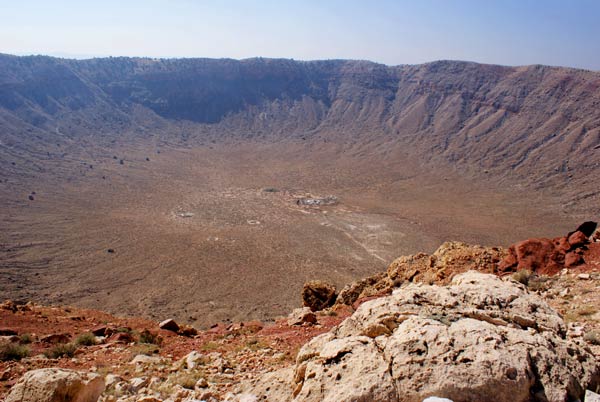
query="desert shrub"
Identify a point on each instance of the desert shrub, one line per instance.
(150, 337)
(209, 346)
(61, 350)
(147, 349)
(592, 337)
(13, 351)
(25, 339)
(522, 276)
(271, 190)
(86, 339)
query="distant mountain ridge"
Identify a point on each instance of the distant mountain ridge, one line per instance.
(537, 125)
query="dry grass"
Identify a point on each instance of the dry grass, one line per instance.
(61, 350)
(85, 339)
(13, 351)
(522, 276)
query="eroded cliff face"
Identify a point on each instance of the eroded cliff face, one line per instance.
(535, 125)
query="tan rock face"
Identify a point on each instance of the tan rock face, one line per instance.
(469, 341)
(318, 295)
(57, 385)
(449, 259)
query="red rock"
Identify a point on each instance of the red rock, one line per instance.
(578, 239)
(100, 330)
(572, 259)
(187, 330)
(587, 228)
(537, 255)
(545, 256)
(169, 325)
(121, 337)
(56, 338)
(562, 244)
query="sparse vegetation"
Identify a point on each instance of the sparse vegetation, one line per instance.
(61, 350)
(587, 310)
(25, 339)
(86, 339)
(147, 349)
(522, 276)
(150, 338)
(187, 379)
(209, 346)
(13, 351)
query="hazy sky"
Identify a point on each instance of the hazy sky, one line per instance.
(513, 32)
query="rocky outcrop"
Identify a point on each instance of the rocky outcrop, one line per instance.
(549, 256)
(318, 295)
(469, 341)
(449, 259)
(57, 385)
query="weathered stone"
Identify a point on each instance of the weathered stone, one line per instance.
(101, 330)
(138, 383)
(591, 396)
(469, 341)
(318, 295)
(587, 228)
(56, 385)
(572, 259)
(121, 337)
(56, 338)
(450, 259)
(201, 383)
(187, 330)
(577, 239)
(548, 257)
(377, 284)
(169, 325)
(193, 359)
(302, 316)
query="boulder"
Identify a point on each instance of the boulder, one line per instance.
(187, 330)
(56, 338)
(573, 259)
(169, 325)
(101, 330)
(469, 341)
(537, 255)
(549, 256)
(318, 295)
(302, 316)
(577, 239)
(587, 228)
(57, 385)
